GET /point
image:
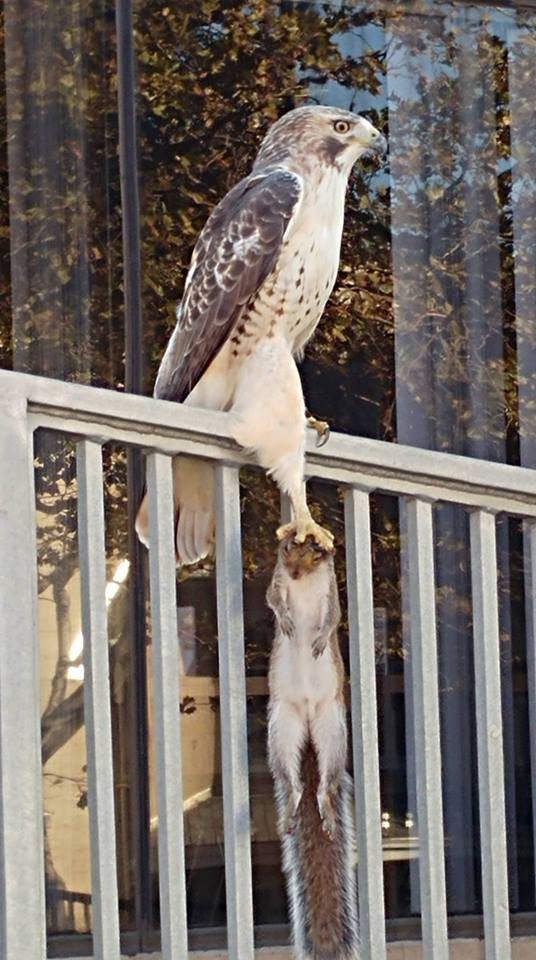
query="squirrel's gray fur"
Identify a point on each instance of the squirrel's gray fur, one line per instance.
(307, 746)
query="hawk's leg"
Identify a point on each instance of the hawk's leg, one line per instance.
(269, 418)
(321, 427)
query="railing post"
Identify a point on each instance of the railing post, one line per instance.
(365, 722)
(22, 888)
(166, 683)
(420, 547)
(489, 735)
(233, 716)
(97, 710)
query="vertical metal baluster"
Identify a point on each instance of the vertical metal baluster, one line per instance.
(22, 872)
(420, 549)
(364, 723)
(529, 550)
(97, 712)
(489, 735)
(166, 680)
(409, 716)
(233, 716)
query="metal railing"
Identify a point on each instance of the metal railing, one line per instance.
(420, 478)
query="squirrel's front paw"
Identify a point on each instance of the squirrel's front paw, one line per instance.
(318, 645)
(287, 626)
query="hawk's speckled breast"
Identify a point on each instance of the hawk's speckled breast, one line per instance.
(293, 297)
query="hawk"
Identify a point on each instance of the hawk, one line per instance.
(261, 273)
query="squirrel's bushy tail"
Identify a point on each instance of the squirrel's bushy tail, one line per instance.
(320, 873)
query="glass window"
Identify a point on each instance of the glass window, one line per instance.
(61, 289)
(427, 340)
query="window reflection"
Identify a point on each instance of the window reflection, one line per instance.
(428, 340)
(63, 283)
(421, 341)
(67, 855)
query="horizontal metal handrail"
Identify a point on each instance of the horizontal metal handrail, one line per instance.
(172, 428)
(95, 416)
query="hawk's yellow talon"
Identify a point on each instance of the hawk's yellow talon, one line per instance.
(285, 530)
(307, 528)
(322, 430)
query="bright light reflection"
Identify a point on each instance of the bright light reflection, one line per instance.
(76, 670)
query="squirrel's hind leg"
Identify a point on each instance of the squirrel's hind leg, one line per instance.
(326, 798)
(286, 735)
(328, 733)
(289, 819)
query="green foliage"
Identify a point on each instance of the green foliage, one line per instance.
(428, 337)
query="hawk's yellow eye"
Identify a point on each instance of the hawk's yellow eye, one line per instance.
(341, 126)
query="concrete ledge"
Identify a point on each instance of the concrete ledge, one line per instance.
(523, 948)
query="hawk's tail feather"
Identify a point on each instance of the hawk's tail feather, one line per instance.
(193, 495)
(193, 490)
(194, 534)
(141, 523)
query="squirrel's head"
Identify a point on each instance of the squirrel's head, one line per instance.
(300, 559)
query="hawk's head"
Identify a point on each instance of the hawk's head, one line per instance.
(325, 135)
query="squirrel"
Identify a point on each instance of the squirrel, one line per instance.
(307, 750)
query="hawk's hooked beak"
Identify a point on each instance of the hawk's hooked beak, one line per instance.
(377, 147)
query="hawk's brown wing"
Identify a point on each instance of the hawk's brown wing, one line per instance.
(236, 250)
